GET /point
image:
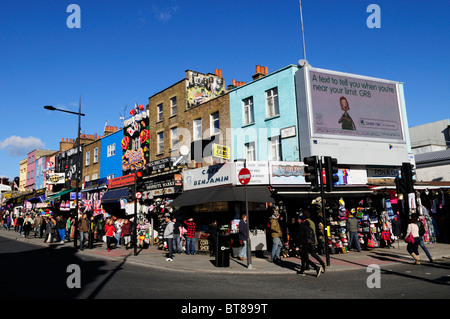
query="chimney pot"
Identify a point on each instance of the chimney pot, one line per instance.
(258, 69)
(266, 70)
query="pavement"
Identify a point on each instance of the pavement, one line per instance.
(200, 262)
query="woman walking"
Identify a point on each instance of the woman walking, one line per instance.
(110, 232)
(413, 247)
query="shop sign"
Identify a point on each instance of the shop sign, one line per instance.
(210, 176)
(258, 170)
(121, 181)
(221, 151)
(290, 173)
(383, 172)
(56, 178)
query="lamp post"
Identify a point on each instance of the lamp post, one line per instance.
(77, 190)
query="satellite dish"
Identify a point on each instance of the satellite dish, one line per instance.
(184, 150)
(302, 62)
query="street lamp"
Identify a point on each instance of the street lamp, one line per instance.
(77, 190)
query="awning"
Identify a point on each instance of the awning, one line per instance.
(115, 195)
(58, 195)
(259, 194)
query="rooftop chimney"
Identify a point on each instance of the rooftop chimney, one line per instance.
(260, 72)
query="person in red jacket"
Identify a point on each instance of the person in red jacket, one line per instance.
(126, 233)
(110, 232)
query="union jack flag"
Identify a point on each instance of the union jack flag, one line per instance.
(98, 207)
(87, 205)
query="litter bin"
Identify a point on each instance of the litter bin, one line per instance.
(223, 250)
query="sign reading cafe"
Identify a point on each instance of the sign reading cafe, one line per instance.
(136, 140)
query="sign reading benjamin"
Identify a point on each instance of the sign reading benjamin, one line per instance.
(354, 106)
(210, 176)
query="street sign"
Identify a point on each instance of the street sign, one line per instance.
(221, 151)
(244, 176)
(138, 195)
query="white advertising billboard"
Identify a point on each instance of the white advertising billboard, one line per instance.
(354, 107)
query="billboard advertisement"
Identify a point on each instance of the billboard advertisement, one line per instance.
(354, 107)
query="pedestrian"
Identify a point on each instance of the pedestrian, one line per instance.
(110, 233)
(212, 238)
(168, 236)
(100, 228)
(190, 236)
(421, 243)
(276, 238)
(68, 228)
(27, 226)
(61, 226)
(118, 225)
(91, 232)
(5, 221)
(50, 229)
(176, 235)
(83, 229)
(126, 233)
(243, 237)
(413, 247)
(38, 226)
(352, 228)
(20, 221)
(292, 232)
(313, 250)
(306, 239)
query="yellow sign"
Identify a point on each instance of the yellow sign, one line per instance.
(221, 151)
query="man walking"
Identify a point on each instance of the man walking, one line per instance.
(306, 238)
(276, 237)
(83, 229)
(168, 235)
(243, 237)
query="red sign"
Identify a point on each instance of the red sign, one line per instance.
(244, 176)
(138, 195)
(121, 181)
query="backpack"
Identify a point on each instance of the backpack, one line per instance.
(421, 228)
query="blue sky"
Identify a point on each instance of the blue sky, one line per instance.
(125, 51)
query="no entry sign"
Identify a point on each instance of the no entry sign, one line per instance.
(244, 176)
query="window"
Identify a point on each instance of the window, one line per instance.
(272, 108)
(94, 176)
(88, 159)
(96, 155)
(250, 152)
(111, 176)
(214, 120)
(111, 150)
(86, 178)
(173, 106)
(197, 129)
(160, 112)
(248, 111)
(275, 148)
(160, 149)
(173, 138)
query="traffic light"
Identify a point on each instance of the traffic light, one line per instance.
(311, 168)
(331, 169)
(407, 176)
(400, 186)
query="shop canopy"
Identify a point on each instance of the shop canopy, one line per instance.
(259, 194)
(114, 195)
(58, 195)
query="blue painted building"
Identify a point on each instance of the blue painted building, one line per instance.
(263, 116)
(111, 155)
